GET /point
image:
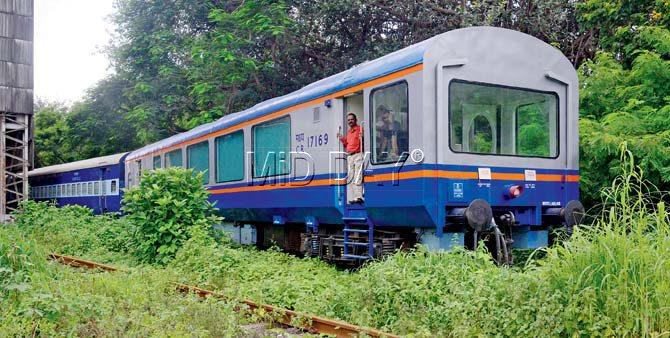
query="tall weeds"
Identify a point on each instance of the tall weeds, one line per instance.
(619, 265)
(611, 278)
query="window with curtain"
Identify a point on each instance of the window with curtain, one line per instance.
(173, 159)
(272, 147)
(198, 159)
(157, 162)
(230, 157)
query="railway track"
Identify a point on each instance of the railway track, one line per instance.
(303, 321)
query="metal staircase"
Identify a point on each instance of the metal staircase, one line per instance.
(359, 242)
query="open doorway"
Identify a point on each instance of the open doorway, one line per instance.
(353, 104)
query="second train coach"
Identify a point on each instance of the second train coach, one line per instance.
(96, 183)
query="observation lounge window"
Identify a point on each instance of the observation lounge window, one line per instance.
(497, 120)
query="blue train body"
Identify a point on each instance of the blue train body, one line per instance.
(95, 183)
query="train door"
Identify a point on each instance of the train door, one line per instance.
(352, 104)
(102, 198)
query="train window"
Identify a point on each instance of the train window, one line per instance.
(198, 159)
(90, 189)
(113, 187)
(173, 159)
(497, 120)
(390, 133)
(272, 146)
(96, 188)
(230, 157)
(78, 193)
(157, 162)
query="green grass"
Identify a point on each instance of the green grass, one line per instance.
(612, 278)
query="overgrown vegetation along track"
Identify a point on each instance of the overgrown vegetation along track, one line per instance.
(310, 323)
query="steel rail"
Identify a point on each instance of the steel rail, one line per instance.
(80, 263)
(310, 323)
(314, 324)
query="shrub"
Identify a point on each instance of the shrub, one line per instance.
(18, 260)
(162, 209)
(73, 229)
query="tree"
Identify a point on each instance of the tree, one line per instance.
(625, 94)
(51, 144)
(95, 127)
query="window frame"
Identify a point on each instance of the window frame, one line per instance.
(558, 118)
(371, 118)
(253, 146)
(160, 162)
(181, 155)
(113, 187)
(216, 157)
(209, 163)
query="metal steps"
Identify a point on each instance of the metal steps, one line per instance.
(358, 233)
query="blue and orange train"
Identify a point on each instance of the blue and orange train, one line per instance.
(472, 134)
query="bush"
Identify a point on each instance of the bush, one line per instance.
(18, 260)
(162, 209)
(73, 229)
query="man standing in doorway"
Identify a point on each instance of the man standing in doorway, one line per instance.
(352, 142)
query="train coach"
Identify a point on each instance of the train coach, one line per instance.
(96, 183)
(484, 146)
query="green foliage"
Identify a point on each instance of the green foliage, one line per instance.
(612, 278)
(92, 128)
(237, 52)
(18, 260)
(163, 209)
(533, 138)
(50, 134)
(73, 229)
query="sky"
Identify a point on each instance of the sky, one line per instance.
(69, 37)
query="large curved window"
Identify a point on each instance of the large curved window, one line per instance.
(489, 119)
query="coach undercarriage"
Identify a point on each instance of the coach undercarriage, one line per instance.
(358, 239)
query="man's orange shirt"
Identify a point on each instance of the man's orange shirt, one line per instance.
(352, 141)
